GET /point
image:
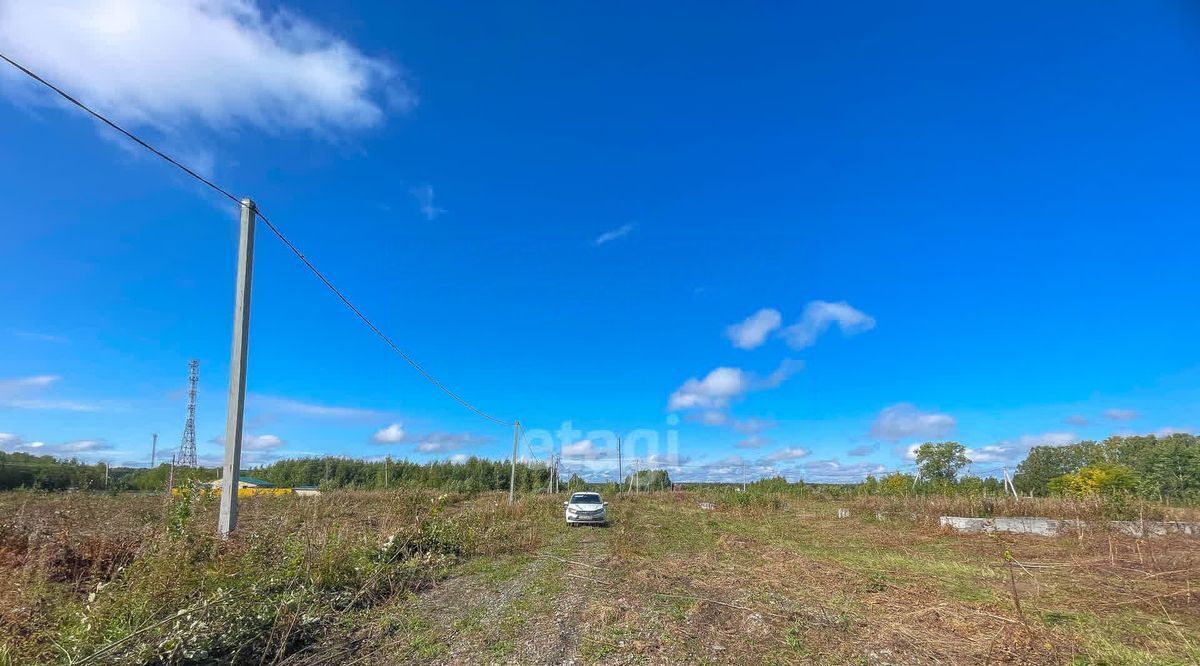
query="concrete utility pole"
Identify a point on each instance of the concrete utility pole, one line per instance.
(386, 462)
(1010, 485)
(106, 474)
(620, 467)
(743, 477)
(512, 477)
(171, 477)
(153, 448)
(234, 411)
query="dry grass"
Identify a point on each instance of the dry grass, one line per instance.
(755, 580)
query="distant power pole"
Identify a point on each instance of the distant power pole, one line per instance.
(512, 477)
(187, 444)
(386, 463)
(171, 476)
(235, 408)
(106, 474)
(1010, 485)
(620, 467)
(153, 448)
(743, 477)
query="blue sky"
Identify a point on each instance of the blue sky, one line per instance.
(938, 220)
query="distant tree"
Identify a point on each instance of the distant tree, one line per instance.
(1098, 479)
(941, 461)
(896, 484)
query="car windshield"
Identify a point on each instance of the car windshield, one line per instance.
(585, 498)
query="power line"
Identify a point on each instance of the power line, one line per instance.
(358, 313)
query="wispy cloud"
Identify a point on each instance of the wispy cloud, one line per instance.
(787, 453)
(1120, 414)
(864, 450)
(1076, 420)
(753, 331)
(425, 202)
(612, 235)
(903, 420)
(819, 316)
(288, 406)
(442, 442)
(40, 337)
(27, 393)
(1013, 450)
(753, 442)
(82, 449)
(835, 471)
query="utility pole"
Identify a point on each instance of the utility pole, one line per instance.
(106, 474)
(153, 448)
(386, 462)
(512, 476)
(743, 476)
(620, 468)
(234, 411)
(1011, 487)
(171, 477)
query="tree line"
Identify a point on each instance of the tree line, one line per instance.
(1164, 468)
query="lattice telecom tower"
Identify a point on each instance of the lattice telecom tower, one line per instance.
(187, 445)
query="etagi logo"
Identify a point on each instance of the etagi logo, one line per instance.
(601, 451)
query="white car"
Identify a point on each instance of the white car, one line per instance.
(586, 509)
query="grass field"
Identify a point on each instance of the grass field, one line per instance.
(415, 577)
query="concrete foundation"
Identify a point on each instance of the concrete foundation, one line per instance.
(1054, 527)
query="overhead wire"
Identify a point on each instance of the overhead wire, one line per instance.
(278, 234)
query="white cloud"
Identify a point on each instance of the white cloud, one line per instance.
(261, 442)
(1120, 414)
(1167, 431)
(222, 62)
(788, 453)
(713, 392)
(724, 384)
(424, 196)
(753, 331)
(903, 420)
(390, 435)
(1076, 420)
(819, 316)
(584, 449)
(459, 458)
(614, 234)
